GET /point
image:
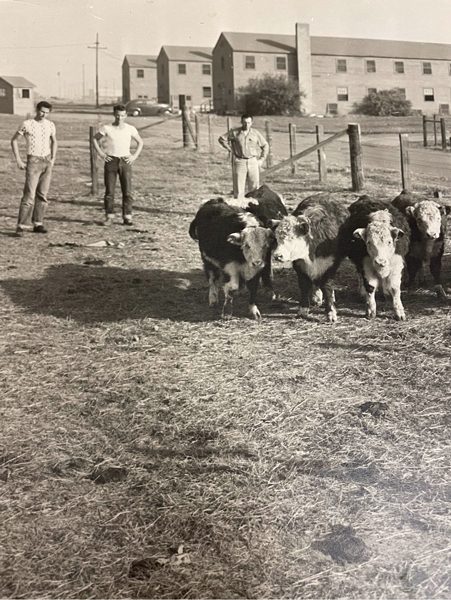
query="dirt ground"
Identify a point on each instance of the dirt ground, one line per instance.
(149, 449)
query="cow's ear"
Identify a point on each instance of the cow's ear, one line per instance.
(303, 225)
(273, 223)
(410, 211)
(360, 234)
(235, 238)
(396, 233)
(444, 210)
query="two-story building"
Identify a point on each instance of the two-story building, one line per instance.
(139, 77)
(16, 96)
(185, 76)
(333, 72)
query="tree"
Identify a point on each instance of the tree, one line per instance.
(384, 103)
(271, 95)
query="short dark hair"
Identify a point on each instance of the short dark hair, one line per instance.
(119, 107)
(43, 104)
(246, 116)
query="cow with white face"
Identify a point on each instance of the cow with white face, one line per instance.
(309, 239)
(234, 249)
(428, 223)
(377, 240)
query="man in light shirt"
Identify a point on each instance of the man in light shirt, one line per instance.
(249, 149)
(118, 161)
(40, 136)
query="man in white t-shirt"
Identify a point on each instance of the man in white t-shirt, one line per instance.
(118, 161)
(40, 136)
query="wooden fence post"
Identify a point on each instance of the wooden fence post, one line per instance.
(232, 161)
(435, 130)
(197, 125)
(269, 140)
(443, 132)
(211, 136)
(94, 165)
(405, 162)
(355, 149)
(322, 167)
(188, 133)
(425, 131)
(292, 134)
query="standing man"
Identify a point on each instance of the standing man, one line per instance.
(249, 149)
(40, 135)
(118, 161)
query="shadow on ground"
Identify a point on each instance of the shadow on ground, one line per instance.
(93, 294)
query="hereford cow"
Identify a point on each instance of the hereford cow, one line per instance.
(309, 238)
(234, 248)
(377, 239)
(427, 221)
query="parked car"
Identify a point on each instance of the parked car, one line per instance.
(149, 108)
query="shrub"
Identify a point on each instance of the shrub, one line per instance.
(271, 95)
(384, 103)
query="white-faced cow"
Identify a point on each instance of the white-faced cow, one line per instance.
(234, 249)
(309, 238)
(427, 221)
(377, 239)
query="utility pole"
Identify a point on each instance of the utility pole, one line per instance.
(96, 47)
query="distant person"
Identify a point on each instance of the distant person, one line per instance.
(249, 149)
(40, 135)
(118, 161)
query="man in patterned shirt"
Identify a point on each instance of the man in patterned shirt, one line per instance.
(40, 135)
(249, 149)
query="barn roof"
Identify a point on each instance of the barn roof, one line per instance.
(17, 81)
(141, 60)
(189, 53)
(336, 46)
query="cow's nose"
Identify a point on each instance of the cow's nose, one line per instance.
(381, 262)
(278, 257)
(432, 236)
(258, 263)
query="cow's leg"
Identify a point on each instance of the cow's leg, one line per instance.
(329, 301)
(213, 275)
(394, 287)
(370, 283)
(305, 288)
(317, 296)
(252, 286)
(266, 275)
(231, 286)
(435, 267)
(413, 265)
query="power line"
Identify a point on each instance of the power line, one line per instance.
(96, 47)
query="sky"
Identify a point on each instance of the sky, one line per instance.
(47, 41)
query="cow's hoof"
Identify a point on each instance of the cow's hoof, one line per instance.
(441, 294)
(303, 313)
(255, 313)
(400, 316)
(332, 316)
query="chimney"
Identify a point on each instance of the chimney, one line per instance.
(304, 65)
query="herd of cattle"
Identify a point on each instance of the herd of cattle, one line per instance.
(379, 237)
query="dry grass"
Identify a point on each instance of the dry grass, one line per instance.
(150, 450)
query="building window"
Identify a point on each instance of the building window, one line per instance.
(428, 94)
(2, 92)
(427, 68)
(402, 93)
(188, 98)
(223, 63)
(443, 109)
(140, 73)
(342, 94)
(206, 69)
(332, 109)
(370, 66)
(182, 68)
(281, 63)
(372, 91)
(25, 93)
(399, 66)
(249, 62)
(341, 65)
(206, 92)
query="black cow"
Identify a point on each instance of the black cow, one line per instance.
(310, 239)
(266, 205)
(376, 239)
(234, 248)
(427, 221)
